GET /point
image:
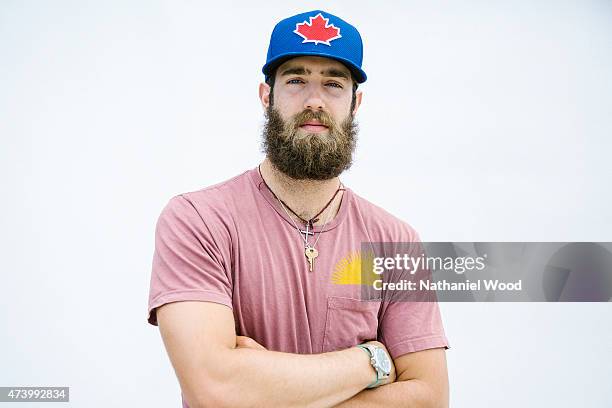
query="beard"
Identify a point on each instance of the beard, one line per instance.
(302, 155)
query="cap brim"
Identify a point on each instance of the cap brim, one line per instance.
(359, 75)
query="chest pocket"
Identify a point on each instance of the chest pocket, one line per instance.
(349, 322)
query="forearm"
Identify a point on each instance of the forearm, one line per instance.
(410, 393)
(267, 378)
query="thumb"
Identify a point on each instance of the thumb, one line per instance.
(247, 342)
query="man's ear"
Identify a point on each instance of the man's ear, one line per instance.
(264, 95)
(358, 96)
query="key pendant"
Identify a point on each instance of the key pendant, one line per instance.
(311, 253)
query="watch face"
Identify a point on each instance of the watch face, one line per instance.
(383, 361)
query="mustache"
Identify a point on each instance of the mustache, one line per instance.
(307, 115)
(337, 132)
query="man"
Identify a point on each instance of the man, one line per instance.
(248, 284)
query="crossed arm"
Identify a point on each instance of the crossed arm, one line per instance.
(215, 368)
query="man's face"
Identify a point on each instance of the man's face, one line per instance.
(310, 131)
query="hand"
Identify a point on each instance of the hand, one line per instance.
(391, 378)
(247, 342)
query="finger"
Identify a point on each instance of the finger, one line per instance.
(247, 342)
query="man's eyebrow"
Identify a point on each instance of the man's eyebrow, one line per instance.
(330, 72)
(295, 71)
(333, 72)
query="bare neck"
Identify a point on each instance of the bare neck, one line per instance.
(305, 197)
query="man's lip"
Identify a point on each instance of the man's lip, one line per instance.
(313, 124)
(316, 128)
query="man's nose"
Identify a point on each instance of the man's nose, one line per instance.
(313, 100)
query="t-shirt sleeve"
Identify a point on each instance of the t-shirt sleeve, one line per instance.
(190, 260)
(412, 326)
(412, 323)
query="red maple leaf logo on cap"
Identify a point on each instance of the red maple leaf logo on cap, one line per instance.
(318, 30)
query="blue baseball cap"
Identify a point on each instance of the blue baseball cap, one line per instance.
(316, 33)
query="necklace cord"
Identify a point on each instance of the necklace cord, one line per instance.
(309, 222)
(314, 218)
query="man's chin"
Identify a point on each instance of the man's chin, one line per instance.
(303, 133)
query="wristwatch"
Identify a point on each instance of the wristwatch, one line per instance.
(380, 360)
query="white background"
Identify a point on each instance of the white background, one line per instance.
(481, 121)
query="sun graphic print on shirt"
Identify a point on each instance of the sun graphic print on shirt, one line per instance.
(355, 269)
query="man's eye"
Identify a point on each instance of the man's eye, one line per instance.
(334, 85)
(294, 81)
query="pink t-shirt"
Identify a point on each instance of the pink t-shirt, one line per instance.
(232, 243)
